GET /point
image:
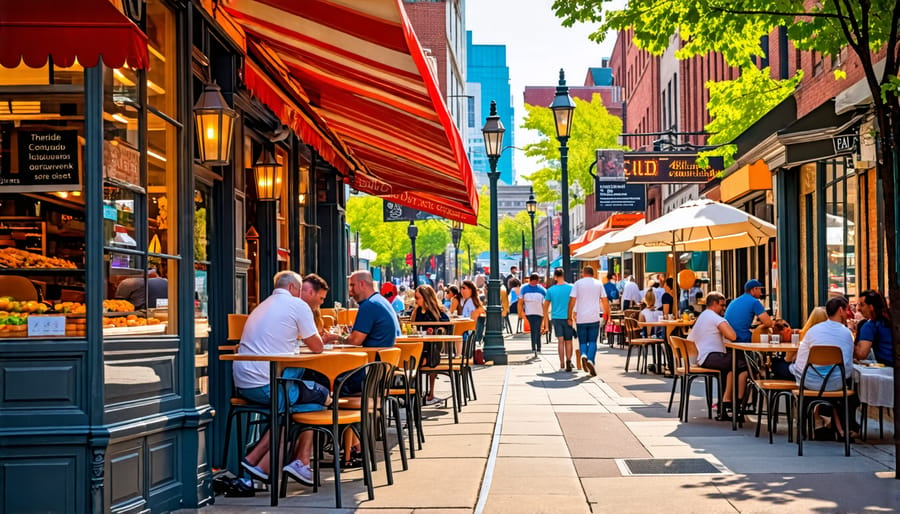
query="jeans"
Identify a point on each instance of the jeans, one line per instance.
(535, 321)
(587, 339)
(262, 396)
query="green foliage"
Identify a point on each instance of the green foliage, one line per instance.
(593, 128)
(511, 230)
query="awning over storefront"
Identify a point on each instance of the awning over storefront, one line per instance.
(811, 137)
(614, 222)
(359, 68)
(85, 31)
(748, 178)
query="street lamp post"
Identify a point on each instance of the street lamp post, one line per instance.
(531, 207)
(413, 231)
(562, 108)
(494, 348)
(456, 233)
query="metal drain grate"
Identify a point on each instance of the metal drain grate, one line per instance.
(644, 467)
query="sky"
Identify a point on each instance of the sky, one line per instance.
(537, 46)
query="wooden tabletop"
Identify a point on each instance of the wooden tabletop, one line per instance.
(667, 323)
(433, 338)
(763, 347)
(304, 354)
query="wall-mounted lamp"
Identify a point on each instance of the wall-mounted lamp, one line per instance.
(214, 120)
(267, 172)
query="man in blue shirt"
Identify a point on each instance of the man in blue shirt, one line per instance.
(376, 322)
(556, 312)
(744, 308)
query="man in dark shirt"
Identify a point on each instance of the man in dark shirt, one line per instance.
(141, 293)
(376, 322)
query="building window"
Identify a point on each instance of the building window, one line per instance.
(840, 228)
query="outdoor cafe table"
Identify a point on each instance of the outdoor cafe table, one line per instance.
(751, 347)
(875, 387)
(277, 362)
(670, 326)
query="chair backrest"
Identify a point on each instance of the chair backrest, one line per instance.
(328, 321)
(390, 355)
(754, 335)
(461, 327)
(347, 316)
(410, 351)
(632, 329)
(824, 355)
(330, 365)
(679, 353)
(236, 324)
(632, 313)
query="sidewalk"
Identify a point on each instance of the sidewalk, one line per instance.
(562, 438)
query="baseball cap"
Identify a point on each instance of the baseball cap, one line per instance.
(752, 283)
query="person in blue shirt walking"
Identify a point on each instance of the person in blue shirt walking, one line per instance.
(556, 312)
(743, 309)
(531, 302)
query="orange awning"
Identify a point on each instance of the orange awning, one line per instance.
(614, 222)
(86, 30)
(359, 69)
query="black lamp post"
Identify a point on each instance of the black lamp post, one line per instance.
(413, 231)
(456, 233)
(531, 207)
(562, 108)
(494, 348)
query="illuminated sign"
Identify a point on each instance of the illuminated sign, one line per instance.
(669, 168)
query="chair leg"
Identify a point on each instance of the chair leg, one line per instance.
(801, 421)
(707, 381)
(400, 442)
(224, 462)
(454, 396)
(628, 357)
(881, 422)
(672, 394)
(472, 382)
(759, 410)
(846, 428)
(388, 467)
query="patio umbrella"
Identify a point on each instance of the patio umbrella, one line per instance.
(589, 252)
(619, 242)
(703, 225)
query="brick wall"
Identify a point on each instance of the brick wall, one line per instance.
(429, 20)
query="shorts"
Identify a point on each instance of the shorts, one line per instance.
(722, 361)
(562, 329)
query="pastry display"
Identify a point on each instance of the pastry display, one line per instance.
(15, 258)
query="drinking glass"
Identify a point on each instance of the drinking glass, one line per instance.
(776, 338)
(764, 338)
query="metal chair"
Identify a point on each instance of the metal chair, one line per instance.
(820, 357)
(634, 340)
(686, 370)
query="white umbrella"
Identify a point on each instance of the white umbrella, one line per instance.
(593, 250)
(619, 242)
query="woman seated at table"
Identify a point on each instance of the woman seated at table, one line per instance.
(428, 310)
(781, 365)
(650, 314)
(874, 334)
(472, 307)
(454, 307)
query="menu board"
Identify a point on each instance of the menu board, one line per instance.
(45, 160)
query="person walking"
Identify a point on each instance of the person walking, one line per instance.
(556, 312)
(587, 304)
(531, 302)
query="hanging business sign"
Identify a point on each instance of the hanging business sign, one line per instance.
(45, 160)
(669, 168)
(845, 143)
(396, 212)
(619, 196)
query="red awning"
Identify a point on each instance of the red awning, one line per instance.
(86, 30)
(614, 222)
(360, 68)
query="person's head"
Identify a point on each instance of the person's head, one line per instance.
(817, 316)
(470, 291)
(290, 281)
(313, 290)
(514, 282)
(754, 288)
(697, 283)
(401, 289)
(534, 279)
(151, 272)
(587, 271)
(837, 309)
(361, 285)
(451, 292)
(670, 284)
(715, 302)
(650, 298)
(872, 305)
(480, 280)
(559, 275)
(513, 270)
(655, 284)
(426, 299)
(611, 277)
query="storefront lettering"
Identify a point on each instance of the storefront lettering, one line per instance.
(661, 167)
(121, 162)
(47, 161)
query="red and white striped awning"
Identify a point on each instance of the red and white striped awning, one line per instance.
(359, 67)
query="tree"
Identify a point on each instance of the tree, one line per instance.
(734, 28)
(595, 129)
(511, 229)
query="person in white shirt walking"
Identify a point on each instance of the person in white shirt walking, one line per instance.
(531, 302)
(587, 304)
(631, 294)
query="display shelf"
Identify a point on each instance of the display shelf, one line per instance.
(40, 271)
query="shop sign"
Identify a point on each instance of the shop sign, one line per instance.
(47, 161)
(669, 168)
(846, 143)
(121, 163)
(44, 326)
(619, 196)
(395, 212)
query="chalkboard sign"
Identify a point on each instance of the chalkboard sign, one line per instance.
(47, 161)
(395, 212)
(619, 196)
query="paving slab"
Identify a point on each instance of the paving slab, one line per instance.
(595, 468)
(536, 504)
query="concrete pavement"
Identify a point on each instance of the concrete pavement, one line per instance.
(563, 440)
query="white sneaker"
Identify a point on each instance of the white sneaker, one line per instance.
(433, 401)
(299, 472)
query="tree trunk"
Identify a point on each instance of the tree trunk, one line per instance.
(888, 116)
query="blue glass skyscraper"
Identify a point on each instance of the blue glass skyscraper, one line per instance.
(488, 79)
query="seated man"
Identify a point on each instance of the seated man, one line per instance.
(274, 327)
(832, 332)
(709, 334)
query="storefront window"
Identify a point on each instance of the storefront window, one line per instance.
(840, 228)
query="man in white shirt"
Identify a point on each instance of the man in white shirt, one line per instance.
(585, 301)
(709, 334)
(832, 332)
(631, 295)
(274, 327)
